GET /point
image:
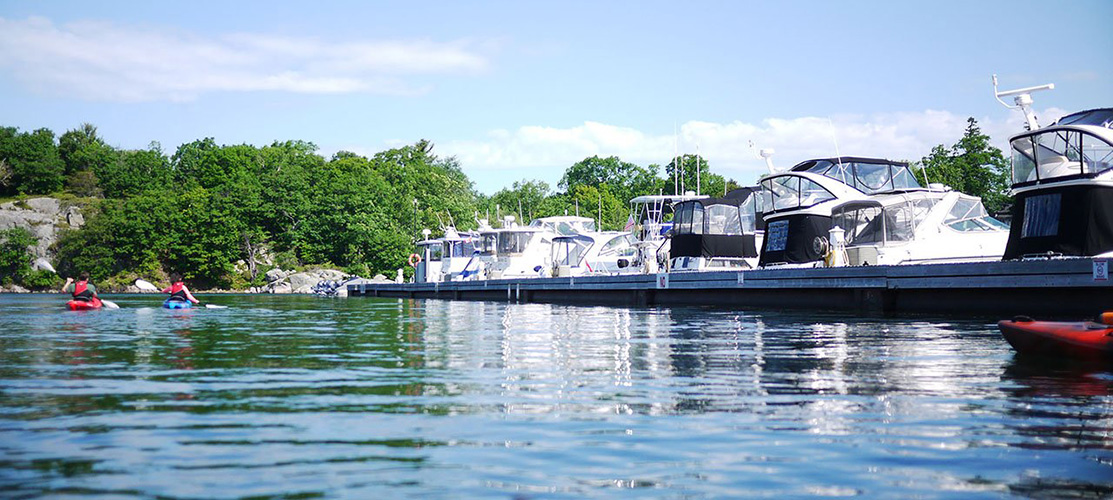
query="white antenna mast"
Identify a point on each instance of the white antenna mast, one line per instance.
(697, 169)
(1023, 99)
(835, 139)
(675, 162)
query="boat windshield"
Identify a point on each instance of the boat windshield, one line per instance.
(513, 242)
(869, 178)
(787, 192)
(872, 224)
(570, 251)
(968, 214)
(566, 227)
(619, 246)
(1059, 153)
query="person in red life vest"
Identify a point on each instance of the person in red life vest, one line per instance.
(178, 290)
(81, 289)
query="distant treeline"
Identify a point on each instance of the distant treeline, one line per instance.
(207, 207)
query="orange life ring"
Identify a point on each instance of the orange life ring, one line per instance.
(415, 259)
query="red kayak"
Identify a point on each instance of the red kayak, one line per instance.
(84, 305)
(1084, 340)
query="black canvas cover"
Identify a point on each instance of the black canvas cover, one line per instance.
(1068, 220)
(713, 245)
(791, 239)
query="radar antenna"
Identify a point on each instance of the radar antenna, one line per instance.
(1023, 99)
(767, 155)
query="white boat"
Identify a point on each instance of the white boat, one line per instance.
(712, 234)
(515, 251)
(565, 225)
(1062, 183)
(427, 260)
(458, 257)
(649, 223)
(599, 253)
(798, 203)
(919, 227)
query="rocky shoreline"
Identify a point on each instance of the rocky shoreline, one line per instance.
(45, 217)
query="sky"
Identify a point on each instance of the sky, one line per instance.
(522, 90)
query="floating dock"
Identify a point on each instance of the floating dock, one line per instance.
(1070, 287)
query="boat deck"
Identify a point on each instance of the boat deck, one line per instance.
(1069, 287)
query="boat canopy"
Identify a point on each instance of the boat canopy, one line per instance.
(896, 219)
(868, 175)
(571, 250)
(717, 227)
(1078, 146)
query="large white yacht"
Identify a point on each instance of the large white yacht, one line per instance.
(715, 234)
(798, 203)
(934, 225)
(458, 257)
(1062, 183)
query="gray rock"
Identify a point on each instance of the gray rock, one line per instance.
(298, 280)
(303, 289)
(281, 288)
(275, 275)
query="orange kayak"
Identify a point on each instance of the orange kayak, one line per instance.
(84, 305)
(1086, 339)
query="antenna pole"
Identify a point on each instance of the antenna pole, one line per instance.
(698, 185)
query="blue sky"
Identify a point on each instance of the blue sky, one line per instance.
(521, 90)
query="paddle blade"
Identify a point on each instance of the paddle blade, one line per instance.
(146, 286)
(214, 306)
(108, 304)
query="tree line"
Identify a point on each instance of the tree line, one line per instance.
(211, 212)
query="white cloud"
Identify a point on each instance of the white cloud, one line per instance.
(545, 152)
(105, 61)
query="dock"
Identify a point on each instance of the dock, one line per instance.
(1068, 287)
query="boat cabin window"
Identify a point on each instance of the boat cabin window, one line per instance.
(619, 246)
(788, 192)
(689, 218)
(869, 178)
(513, 242)
(1059, 153)
(457, 248)
(488, 244)
(968, 214)
(432, 252)
(723, 219)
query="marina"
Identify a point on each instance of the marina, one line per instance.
(1057, 287)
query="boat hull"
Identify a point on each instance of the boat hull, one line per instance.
(1079, 340)
(84, 305)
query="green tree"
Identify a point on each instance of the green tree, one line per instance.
(133, 172)
(972, 166)
(709, 184)
(32, 165)
(15, 254)
(625, 180)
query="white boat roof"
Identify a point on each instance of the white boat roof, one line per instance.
(666, 198)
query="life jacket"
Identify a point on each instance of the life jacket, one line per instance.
(177, 291)
(81, 291)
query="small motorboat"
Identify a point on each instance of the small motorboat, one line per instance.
(1082, 340)
(84, 305)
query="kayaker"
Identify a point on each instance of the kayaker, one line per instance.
(178, 290)
(81, 289)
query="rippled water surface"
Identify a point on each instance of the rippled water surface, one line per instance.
(384, 398)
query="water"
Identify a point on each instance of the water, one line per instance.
(285, 396)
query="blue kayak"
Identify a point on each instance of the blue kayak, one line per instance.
(177, 304)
